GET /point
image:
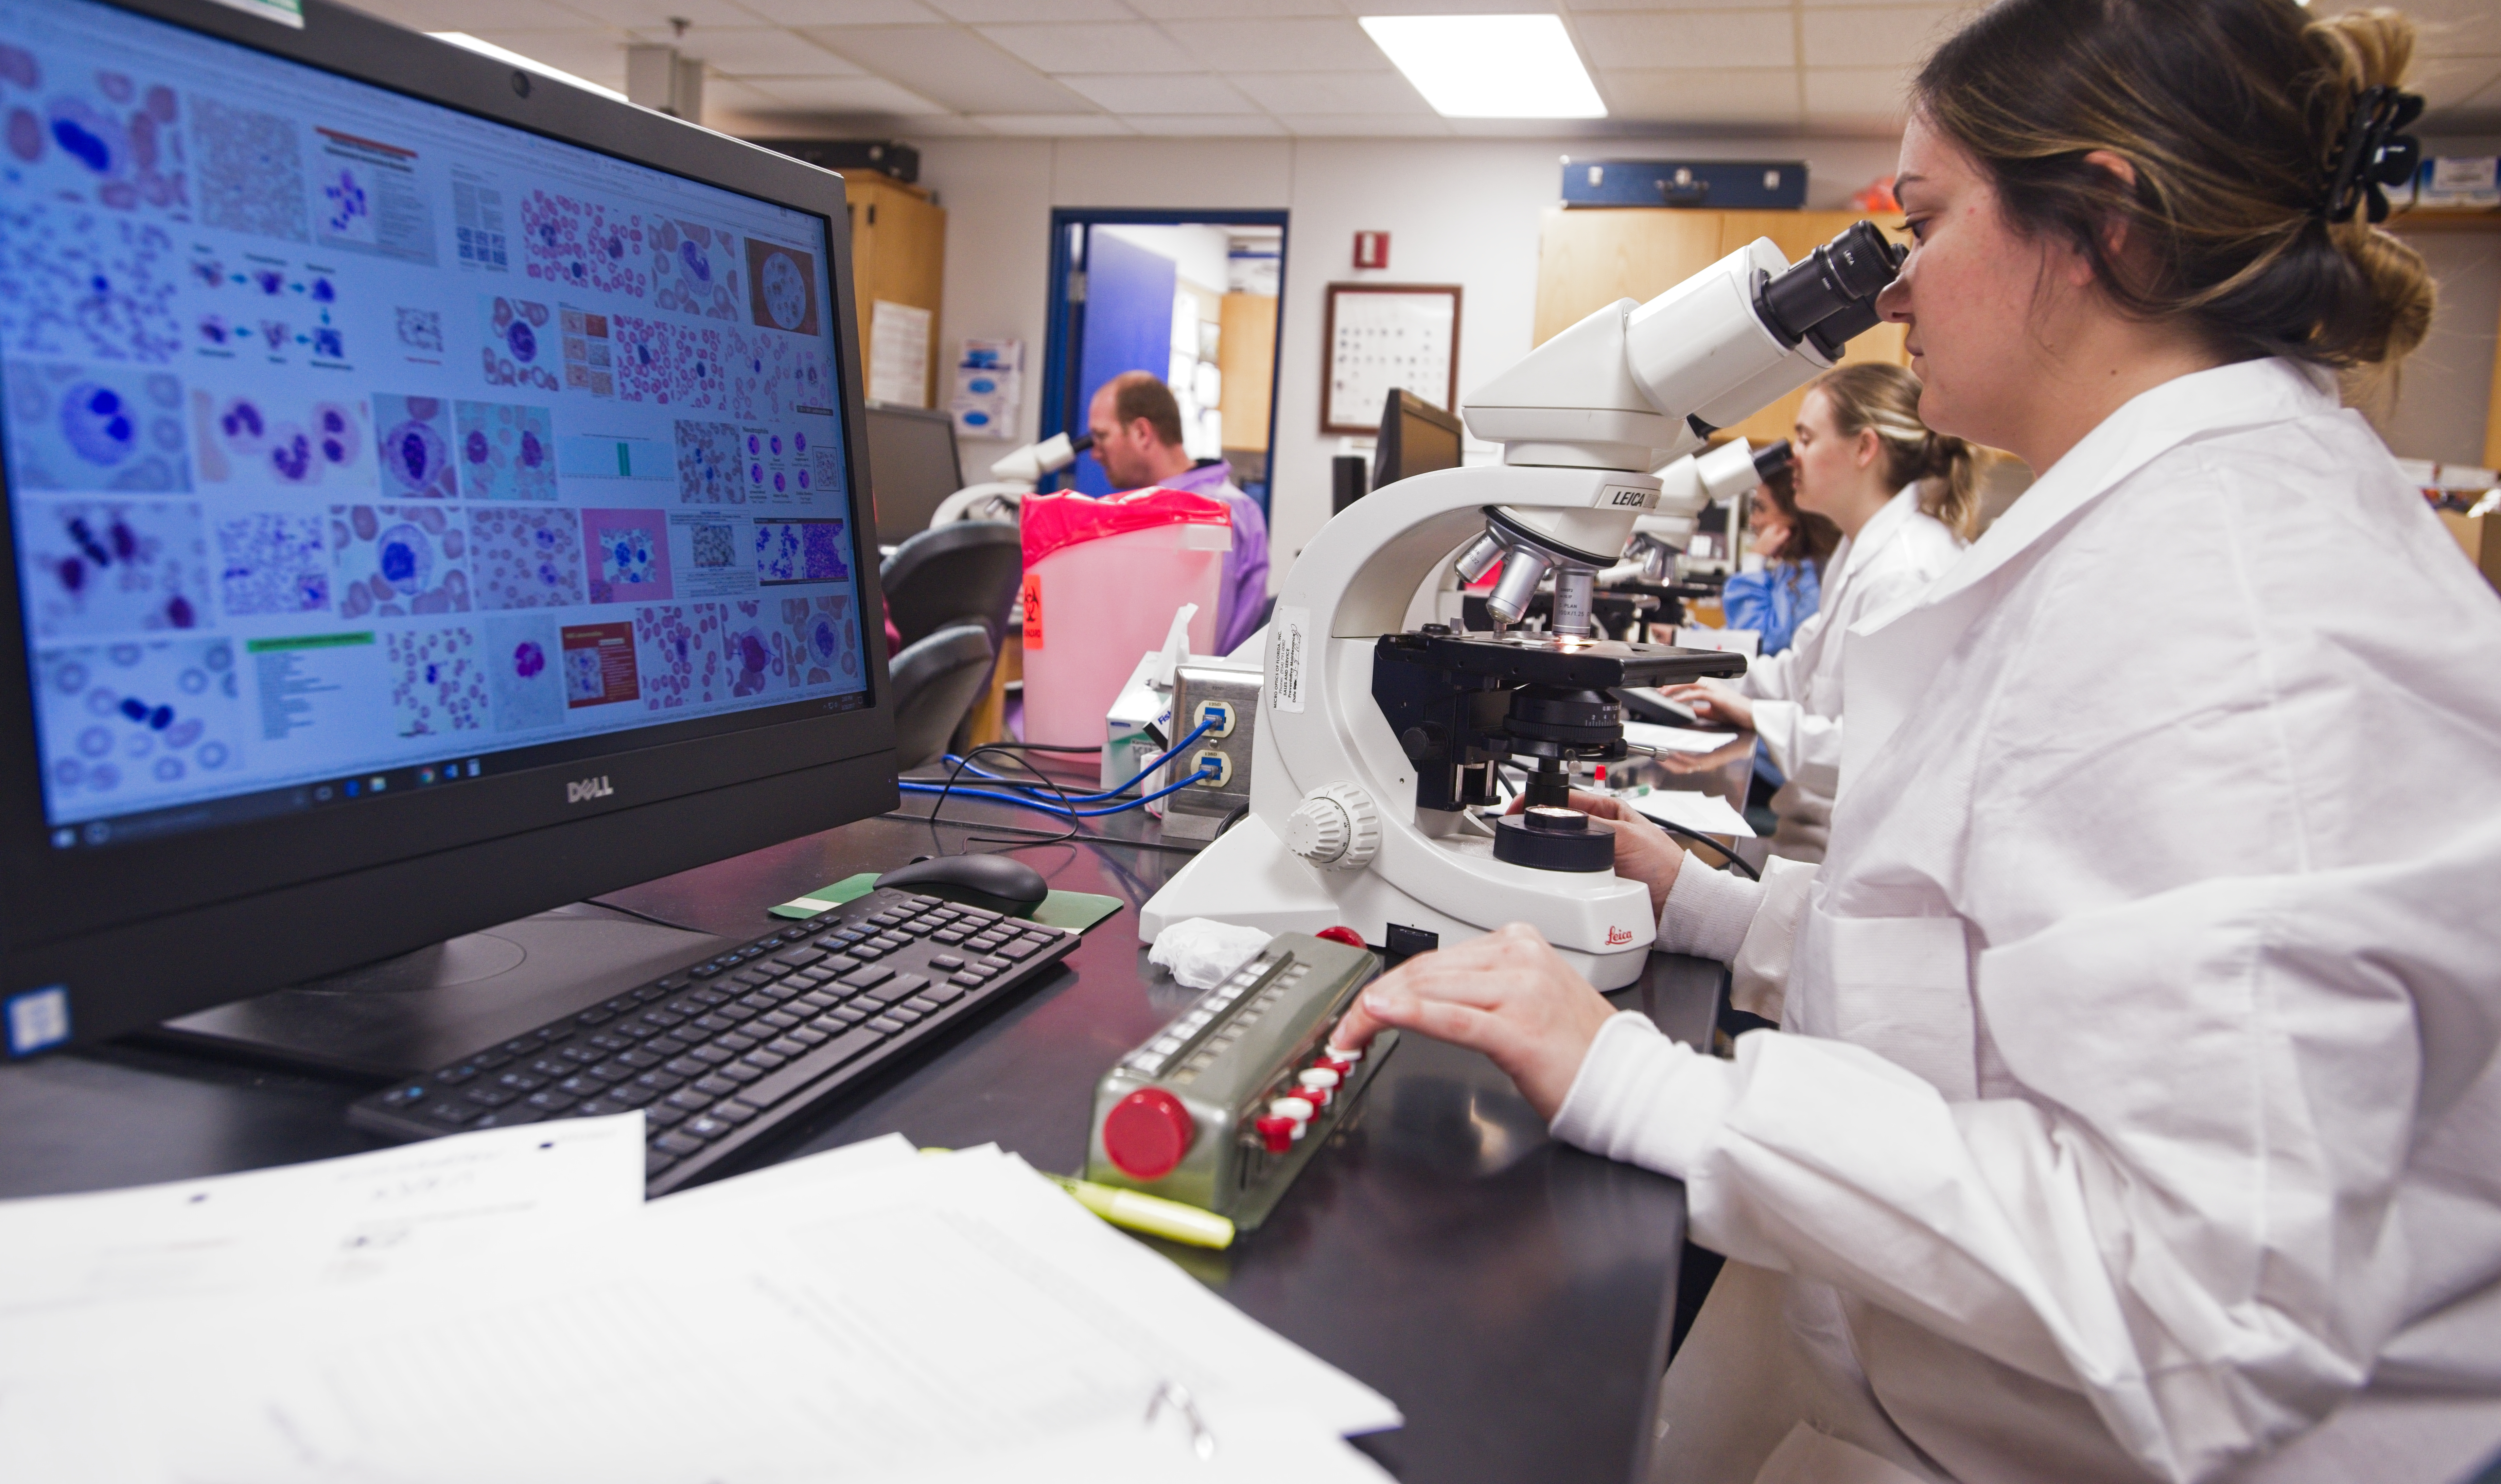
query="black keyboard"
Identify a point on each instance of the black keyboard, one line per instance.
(720, 1054)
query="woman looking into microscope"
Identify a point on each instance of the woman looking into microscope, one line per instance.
(2134, 1111)
(1905, 499)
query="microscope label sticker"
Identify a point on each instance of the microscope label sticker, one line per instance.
(1287, 658)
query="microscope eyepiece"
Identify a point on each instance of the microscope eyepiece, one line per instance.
(1842, 277)
(1771, 458)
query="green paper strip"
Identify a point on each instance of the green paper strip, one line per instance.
(1075, 910)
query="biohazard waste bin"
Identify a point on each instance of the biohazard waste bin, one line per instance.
(1101, 579)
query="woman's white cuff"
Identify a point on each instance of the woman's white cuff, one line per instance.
(1645, 1100)
(1708, 911)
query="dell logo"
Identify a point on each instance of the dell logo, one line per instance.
(588, 788)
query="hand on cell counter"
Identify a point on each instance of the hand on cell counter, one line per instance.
(1506, 994)
(1643, 853)
(1717, 701)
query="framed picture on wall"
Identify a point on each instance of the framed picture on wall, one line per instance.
(1381, 337)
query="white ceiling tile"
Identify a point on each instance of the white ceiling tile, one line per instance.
(636, 14)
(1234, 10)
(1000, 12)
(1689, 39)
(1865, 91)
(599, 55)
(1876, 35)
(741, 52)
(841, 96)
(728, 96)
(1091, 47)
(1365, 125)
(1166, 93)
(2456, 27)
(1538, 128)
(939, 126)
(1846, 125)
(1058, 124)
(1332, 93)
(1756, 95)
(840, 13)
(1202, 126)
(1452, 7)
(1579, 7)
(1319, 44)
(951, 67)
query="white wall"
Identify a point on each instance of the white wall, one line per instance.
(1200, 255)
(1460, 211)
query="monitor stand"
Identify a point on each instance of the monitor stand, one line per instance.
(429, 1008)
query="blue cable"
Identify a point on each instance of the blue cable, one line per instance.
(979, 772)
(916, 786)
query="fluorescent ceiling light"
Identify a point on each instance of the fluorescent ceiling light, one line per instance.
(1489, 66)
(528, 63)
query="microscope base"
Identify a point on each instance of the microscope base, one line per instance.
(1248, 876)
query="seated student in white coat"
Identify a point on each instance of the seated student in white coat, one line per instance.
(2134, 1112)
(1905, 499)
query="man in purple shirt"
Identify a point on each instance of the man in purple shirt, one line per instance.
(1137, 436)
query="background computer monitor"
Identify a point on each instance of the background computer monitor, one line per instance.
(1416, 438)
(911, 466)
(432, 501)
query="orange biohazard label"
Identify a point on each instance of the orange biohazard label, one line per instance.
(1033, 611)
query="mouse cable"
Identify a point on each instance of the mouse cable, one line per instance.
(1735, 862)
(1048, 808)
(964, 763)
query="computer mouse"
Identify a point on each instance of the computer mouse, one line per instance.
(996, 883)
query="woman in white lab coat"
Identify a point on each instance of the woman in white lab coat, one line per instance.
(1904, 497)
(2134, 1111)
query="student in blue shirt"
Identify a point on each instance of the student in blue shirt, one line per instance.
(1794, 546)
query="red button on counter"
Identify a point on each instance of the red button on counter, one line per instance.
(1146, 1132)
(1277, 1132)
(1347, 935)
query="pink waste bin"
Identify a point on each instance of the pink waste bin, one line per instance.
(1102, 580)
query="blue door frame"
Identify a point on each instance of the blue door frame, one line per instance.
(1061, 410)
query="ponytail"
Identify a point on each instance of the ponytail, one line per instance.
(1884, 398)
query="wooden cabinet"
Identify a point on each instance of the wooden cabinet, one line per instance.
(898, 254)
(1246, 351)
(1588, 258)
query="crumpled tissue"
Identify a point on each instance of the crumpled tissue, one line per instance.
(1200, 951)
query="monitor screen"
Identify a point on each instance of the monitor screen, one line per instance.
(408, 464)
(912, 467)
(356, 443)
(1416, 438)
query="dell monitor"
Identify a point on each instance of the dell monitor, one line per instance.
(434, 496)
(1416, 438)
(912, 467)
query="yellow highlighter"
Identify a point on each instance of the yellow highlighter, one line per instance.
(1151, 1215)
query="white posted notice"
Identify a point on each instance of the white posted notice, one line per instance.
(898, 354)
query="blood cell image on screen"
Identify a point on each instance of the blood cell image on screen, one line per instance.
(112, 567)
(272, 441)
(799, 552)
(137, 719)
(396, 560)
(522, 344)
(599, 664)
(503, 451)
(680, 657)
(251, 170)
(94, 427)
(708, 463)
(584, 245)
(694, 269)
(823, 639)
(782, 285)
(438, 683)
(418, 330)
(671, 364)
(626, 556)
(588, 364)
(714, 547)
(525, 558)
(273, 562)
(87, 282)
(414, 438)
(773, 376)
(93, 135)
(524, 663)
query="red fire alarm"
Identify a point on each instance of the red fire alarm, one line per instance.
(1371, 250)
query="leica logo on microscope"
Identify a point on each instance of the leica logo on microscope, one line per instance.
(1618, 936)
(588, 789)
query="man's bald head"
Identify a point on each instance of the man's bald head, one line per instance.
(1136, 423)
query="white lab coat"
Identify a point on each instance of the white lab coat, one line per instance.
(1797, 707)
(2135, 1106)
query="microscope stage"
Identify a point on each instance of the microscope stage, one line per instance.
(1556, 659)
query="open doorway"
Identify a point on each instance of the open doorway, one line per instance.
(1190, 296)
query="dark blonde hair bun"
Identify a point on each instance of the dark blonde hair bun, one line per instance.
(2233, 112)
(1884, 397)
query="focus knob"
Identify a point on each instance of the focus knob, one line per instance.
(1335, 828)
(1146, 1132)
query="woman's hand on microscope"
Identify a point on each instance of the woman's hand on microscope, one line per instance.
(1716, 701)
(1643, 853)
(1506, 994)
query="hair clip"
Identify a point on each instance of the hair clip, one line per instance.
(2373, 155)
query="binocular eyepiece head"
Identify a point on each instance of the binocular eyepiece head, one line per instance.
(1829, 295)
